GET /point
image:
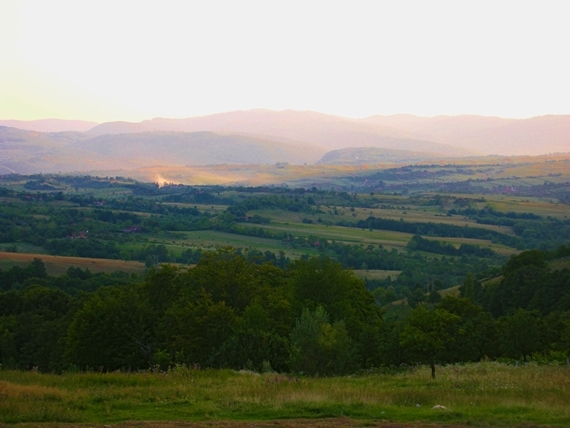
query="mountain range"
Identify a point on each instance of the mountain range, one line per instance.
(268, 137)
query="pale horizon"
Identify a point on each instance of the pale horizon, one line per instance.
(283, 110)
(127, 61)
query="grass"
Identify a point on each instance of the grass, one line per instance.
(376, 274)
(476, 394)
(560, 264)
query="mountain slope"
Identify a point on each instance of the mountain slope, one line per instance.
(490, 135)
(374, 155)
(28, 152)
(50, 125)
(198, 148)
(289, 126)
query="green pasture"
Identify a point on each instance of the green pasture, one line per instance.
(388, 239)
(560, 264)
(481, 394)
(410, 214)
(207, 208)
(22, 247)
(212, 239)
(536, 206)
(349, 235)
(498, 248)
(376, 273)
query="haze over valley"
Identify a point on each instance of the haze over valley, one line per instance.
(266, 137)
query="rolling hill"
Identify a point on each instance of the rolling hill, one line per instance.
(288, 126)
(50, 125)
(270, 137)
(27, 152)
(490, 135)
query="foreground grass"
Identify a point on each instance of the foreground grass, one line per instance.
(479, 394)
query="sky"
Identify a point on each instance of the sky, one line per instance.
(132, 60)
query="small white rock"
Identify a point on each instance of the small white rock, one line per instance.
(437, 406)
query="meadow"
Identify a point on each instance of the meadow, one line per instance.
(479, 394)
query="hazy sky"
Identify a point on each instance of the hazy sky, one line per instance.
(134, 60)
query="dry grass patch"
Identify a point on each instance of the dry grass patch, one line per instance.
(58, 265)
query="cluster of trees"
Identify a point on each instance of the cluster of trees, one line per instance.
(311, 317)
(225, 312)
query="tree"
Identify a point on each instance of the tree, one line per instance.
(564, 343)
(320, 281)
(319, 347)
(434, 297)
(478, 328)
(427, 335)
(470, 288)
(114, 329)
(416, 297)
(194, 329)
(522, 334)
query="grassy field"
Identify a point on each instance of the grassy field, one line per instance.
(376, 274)
(482, 394)
(58, 265)
(209, 240)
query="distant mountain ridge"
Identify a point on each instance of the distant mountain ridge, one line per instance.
(27, 152)
(490, 135)
(304, 127)
(50, 125)
(446, 135)
(269, 137)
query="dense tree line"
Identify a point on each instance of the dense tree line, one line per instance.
(311, 317)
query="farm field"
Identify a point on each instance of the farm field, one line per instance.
(389, 239)
(376, 273)
(477, 394)
(58, 265)
(212, 239)
(408, 213)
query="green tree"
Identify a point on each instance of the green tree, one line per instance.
(318, 347)
(428, 334)
(194, 329)
(478, 330)
(113, 329)
(522, 334)
(320, 281)
(564, 343)
(416, 297)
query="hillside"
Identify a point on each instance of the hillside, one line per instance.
(27, 152)
(374, 155)
(491, 135)
(197, 148)
(445, 135)
(266, 137)
(332, 132)
(50, 125)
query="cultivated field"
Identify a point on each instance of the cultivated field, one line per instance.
(58, 265)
